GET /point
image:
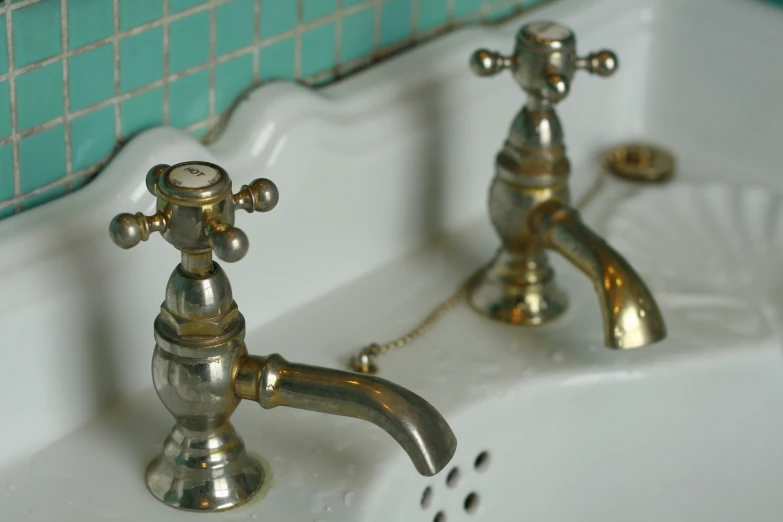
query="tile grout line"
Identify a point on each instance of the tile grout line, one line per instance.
(166, 63)
(117, 86)
(17, 172)
(298, 40)
(256, 40)
(211, 61)
(66, 91)
(338, 38)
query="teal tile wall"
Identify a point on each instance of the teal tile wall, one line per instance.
(80, 77)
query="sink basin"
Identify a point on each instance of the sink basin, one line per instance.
(551, 425)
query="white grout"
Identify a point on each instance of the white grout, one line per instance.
(338, 71)
(66, 90)
(166, 64)
(212, 62)
(9, 32)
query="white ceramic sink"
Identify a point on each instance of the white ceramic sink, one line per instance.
(564, 430)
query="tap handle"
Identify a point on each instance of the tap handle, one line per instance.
(227, 241)
(556, 87)
(489, 63)
(196, 210)
(603, 63)
(544, 61)
(260, 196)
(127, 230)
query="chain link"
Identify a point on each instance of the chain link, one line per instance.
(364, 361)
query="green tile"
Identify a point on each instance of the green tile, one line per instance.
(46, 196)
(432, 13)
(36, 33)
(318, 49)
(358, 33)
(277, 16)
(466, 7)
(141, 59)
(395, 21)
(276, 61)
(351, 3)
(189, 42)
(134, 13)
(5, 110)
(231, 78)
(142, 111)
(200, 133)
(92, 137)
(6, 172)
(39, 95)
(502, 12)
(175, 6)
(189, 99)
(42, 158)
(3, 48)
(81, 181)
(315, 9)
(91, 77)
(234, 26)
(89, 21)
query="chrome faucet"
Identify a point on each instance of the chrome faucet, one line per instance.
(201, 369)
(529, 202)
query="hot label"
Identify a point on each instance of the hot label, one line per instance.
(194, 176)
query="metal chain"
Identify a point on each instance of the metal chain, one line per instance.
(364, 360)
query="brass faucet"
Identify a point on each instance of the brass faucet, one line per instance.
(201, 369)
(529, 202)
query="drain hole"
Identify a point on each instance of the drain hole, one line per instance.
(452, 478)
(472, 502)
(440, 517)
(482, 461)
(426, 498)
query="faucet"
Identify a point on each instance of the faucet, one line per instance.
(529, 203)
(201, 368)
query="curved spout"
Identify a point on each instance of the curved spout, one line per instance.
(418, 427)
(631, 315)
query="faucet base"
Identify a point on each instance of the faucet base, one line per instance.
(517, 290)
(204, 471)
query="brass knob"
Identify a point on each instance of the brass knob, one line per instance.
(603, 63)
(195, 210)
(127, 230)
(488, 63)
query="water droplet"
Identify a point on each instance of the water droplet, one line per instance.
(329, 509)
(11, 486)
(642, 313)
(558, 358)
(253, 516)
(348, 498)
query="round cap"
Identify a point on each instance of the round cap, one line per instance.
(548, 34)
(194, 180)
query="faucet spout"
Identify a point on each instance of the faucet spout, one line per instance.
(631, 316)
(416, 426)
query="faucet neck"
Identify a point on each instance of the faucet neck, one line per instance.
(534, 154)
